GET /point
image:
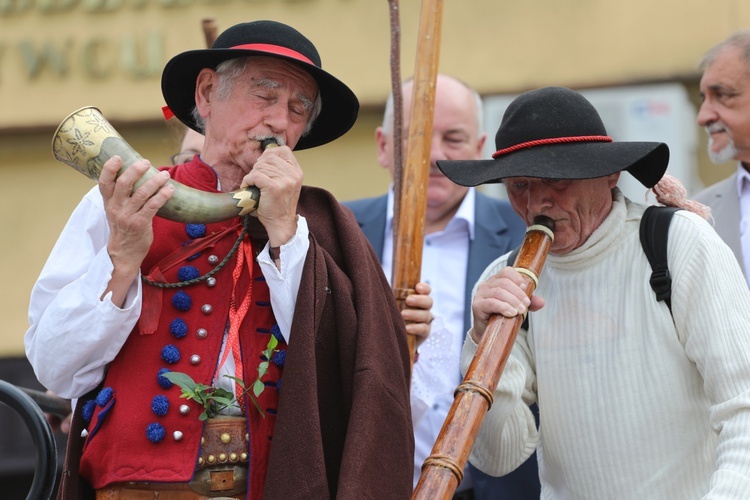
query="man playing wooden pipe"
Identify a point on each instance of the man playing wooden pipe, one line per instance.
(635, 400)
(288, 310)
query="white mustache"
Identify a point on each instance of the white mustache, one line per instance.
(716, 127)
(728, 152)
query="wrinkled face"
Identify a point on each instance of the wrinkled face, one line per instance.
(455, 136)
(578, 207)
(271, 98)
(725, 111)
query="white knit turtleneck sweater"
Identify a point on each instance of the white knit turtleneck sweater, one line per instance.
(632, 405)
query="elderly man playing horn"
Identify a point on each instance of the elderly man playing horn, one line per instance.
(634, 402)
(288, 311)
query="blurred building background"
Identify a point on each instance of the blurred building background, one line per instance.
(636, 61)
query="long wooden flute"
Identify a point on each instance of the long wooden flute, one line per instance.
(442, 471)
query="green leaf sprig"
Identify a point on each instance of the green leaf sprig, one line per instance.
(213, 399)
(258, 385)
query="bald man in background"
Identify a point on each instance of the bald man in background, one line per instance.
(464, 231)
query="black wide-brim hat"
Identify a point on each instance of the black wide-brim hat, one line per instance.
(555, 133)
(262, 38)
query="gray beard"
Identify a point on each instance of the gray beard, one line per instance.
(724, 155)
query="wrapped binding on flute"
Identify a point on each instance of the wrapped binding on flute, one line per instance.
(442, 471)
(85, 140)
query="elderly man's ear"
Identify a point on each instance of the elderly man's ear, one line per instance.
(204, 86)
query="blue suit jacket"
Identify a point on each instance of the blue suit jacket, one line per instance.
(497, 230)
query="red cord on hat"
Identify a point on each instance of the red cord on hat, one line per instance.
(554, 140)
(275, 49)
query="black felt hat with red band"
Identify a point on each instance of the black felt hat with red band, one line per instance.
(263, 38)
(555, 133)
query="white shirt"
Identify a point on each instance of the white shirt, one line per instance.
(74, 334)
(436, 374)
(743, 191)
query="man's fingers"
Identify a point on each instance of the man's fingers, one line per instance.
(417, 316)
(153, 194)
(108, 175)
(422, 288)
(510, 287)
(125, 184)
(420, 333)
(419, 301)
(121, 196)
(537, 303)
(502, 294)
(505, 302)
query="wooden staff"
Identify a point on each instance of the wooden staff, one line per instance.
(409, 220)
(210, 30)
(398, 106)
(442, 471)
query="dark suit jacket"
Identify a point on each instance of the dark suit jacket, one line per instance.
(725, 208)
(497, 230)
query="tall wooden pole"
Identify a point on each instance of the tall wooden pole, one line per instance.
(210, 30)
(398, 105)
(409, 220)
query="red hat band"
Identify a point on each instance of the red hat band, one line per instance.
(274, 49)
(554, 140)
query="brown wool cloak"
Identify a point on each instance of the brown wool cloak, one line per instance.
(343, 428)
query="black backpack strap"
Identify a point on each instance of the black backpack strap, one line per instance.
(654, 232)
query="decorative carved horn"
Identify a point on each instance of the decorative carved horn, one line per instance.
(85, 140)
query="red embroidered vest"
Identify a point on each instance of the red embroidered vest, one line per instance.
(140, 429)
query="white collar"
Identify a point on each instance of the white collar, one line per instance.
(464, 213)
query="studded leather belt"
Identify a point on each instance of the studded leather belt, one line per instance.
(160, 491)
(221, 471)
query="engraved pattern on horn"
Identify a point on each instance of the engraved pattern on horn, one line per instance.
(85, 140)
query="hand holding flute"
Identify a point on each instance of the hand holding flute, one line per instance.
(498, 314)
(486, 304)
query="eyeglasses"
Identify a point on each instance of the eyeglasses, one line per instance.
(182, 157)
